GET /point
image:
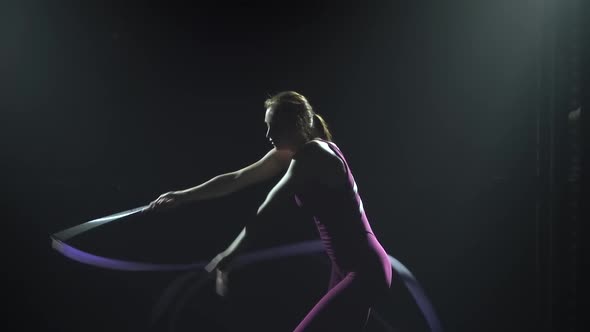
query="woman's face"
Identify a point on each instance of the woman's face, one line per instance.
(277, 132)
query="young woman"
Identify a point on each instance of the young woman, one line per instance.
(319, 179)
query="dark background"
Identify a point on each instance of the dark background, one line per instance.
(452, 115)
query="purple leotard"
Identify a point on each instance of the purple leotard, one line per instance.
(361, 271)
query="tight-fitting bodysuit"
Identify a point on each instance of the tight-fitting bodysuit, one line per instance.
(361, 271)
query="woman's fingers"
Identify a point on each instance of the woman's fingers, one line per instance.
(161, 202)
(221, 286)
(167, 200)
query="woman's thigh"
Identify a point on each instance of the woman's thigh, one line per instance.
(345, 307)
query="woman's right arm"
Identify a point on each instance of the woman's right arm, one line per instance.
(273, 163)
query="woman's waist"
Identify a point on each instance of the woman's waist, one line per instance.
(361, 249)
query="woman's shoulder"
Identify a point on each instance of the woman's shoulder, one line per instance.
(313, 149)
(319, 153)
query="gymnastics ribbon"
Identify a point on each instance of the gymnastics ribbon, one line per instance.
(307, 247)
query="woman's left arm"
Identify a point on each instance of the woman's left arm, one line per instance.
(294, 178)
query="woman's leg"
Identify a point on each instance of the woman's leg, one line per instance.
(335, 276)
(345, 307)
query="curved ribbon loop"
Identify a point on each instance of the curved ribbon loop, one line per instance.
(301, 248)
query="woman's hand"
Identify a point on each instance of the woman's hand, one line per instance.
(168, 200)
(221, 282)
(220, 266)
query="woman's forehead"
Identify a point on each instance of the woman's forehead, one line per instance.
(268, 116)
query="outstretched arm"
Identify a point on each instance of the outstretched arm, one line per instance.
(272, 164)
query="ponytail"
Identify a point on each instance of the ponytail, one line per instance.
(321, 127)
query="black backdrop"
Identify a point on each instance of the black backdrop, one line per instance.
(438, 107)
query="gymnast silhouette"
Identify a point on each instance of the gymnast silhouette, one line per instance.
(319, 179)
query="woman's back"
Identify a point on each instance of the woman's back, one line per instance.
(332, 200)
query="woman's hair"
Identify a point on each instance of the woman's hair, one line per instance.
(292, 106)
